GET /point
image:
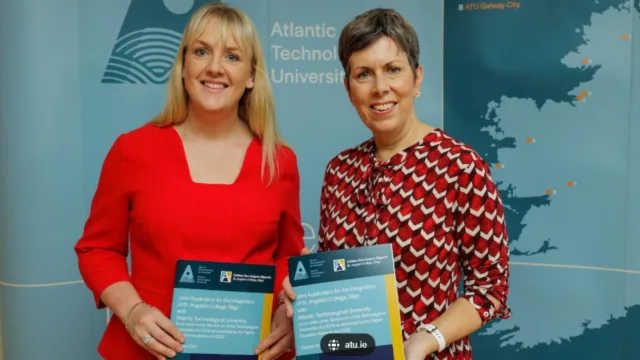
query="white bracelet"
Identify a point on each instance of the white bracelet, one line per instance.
(433, 330)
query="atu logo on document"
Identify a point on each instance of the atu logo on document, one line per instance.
(148, 41)
(301, 272)
(187, 276)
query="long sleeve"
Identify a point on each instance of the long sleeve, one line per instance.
(482, 233)
(291, 232)
(103, 246)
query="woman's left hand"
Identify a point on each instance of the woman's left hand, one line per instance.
(280, 339)
(418, 346)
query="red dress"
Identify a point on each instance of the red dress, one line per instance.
(436, 203)
(145, 192)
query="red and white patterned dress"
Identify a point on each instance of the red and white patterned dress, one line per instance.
(436, 203)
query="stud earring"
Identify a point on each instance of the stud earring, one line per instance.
(418, 94)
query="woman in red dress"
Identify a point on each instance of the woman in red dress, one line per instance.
(208, 179)
(414, 186)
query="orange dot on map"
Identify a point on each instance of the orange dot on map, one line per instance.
(530, 140)
(625, 36)
(585, 61)
(499, 166)
(584, 93)
(572, 183)
(580, 97)
(550, 192)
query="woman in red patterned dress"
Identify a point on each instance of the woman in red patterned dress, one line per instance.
(419, 189)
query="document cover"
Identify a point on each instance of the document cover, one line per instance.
(223, 309)
(346, 305)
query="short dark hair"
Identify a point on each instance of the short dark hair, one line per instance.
(372, 25)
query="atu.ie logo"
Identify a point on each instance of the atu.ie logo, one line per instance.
(148, 41)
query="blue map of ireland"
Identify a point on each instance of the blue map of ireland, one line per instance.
(544, 92)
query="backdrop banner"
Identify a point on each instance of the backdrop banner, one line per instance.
(75, 74)
(542, 89)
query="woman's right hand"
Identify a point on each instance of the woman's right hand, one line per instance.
(153, 331)
(287, 295)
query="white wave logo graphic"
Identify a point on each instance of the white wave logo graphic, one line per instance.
(143, 57)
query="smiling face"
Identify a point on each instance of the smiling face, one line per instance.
(381, 86)
(216, 71)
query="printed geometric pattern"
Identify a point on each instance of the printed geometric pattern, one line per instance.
(436, 203)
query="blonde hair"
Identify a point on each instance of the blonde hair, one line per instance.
(257, 105)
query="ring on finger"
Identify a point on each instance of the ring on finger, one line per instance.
(146, 339)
